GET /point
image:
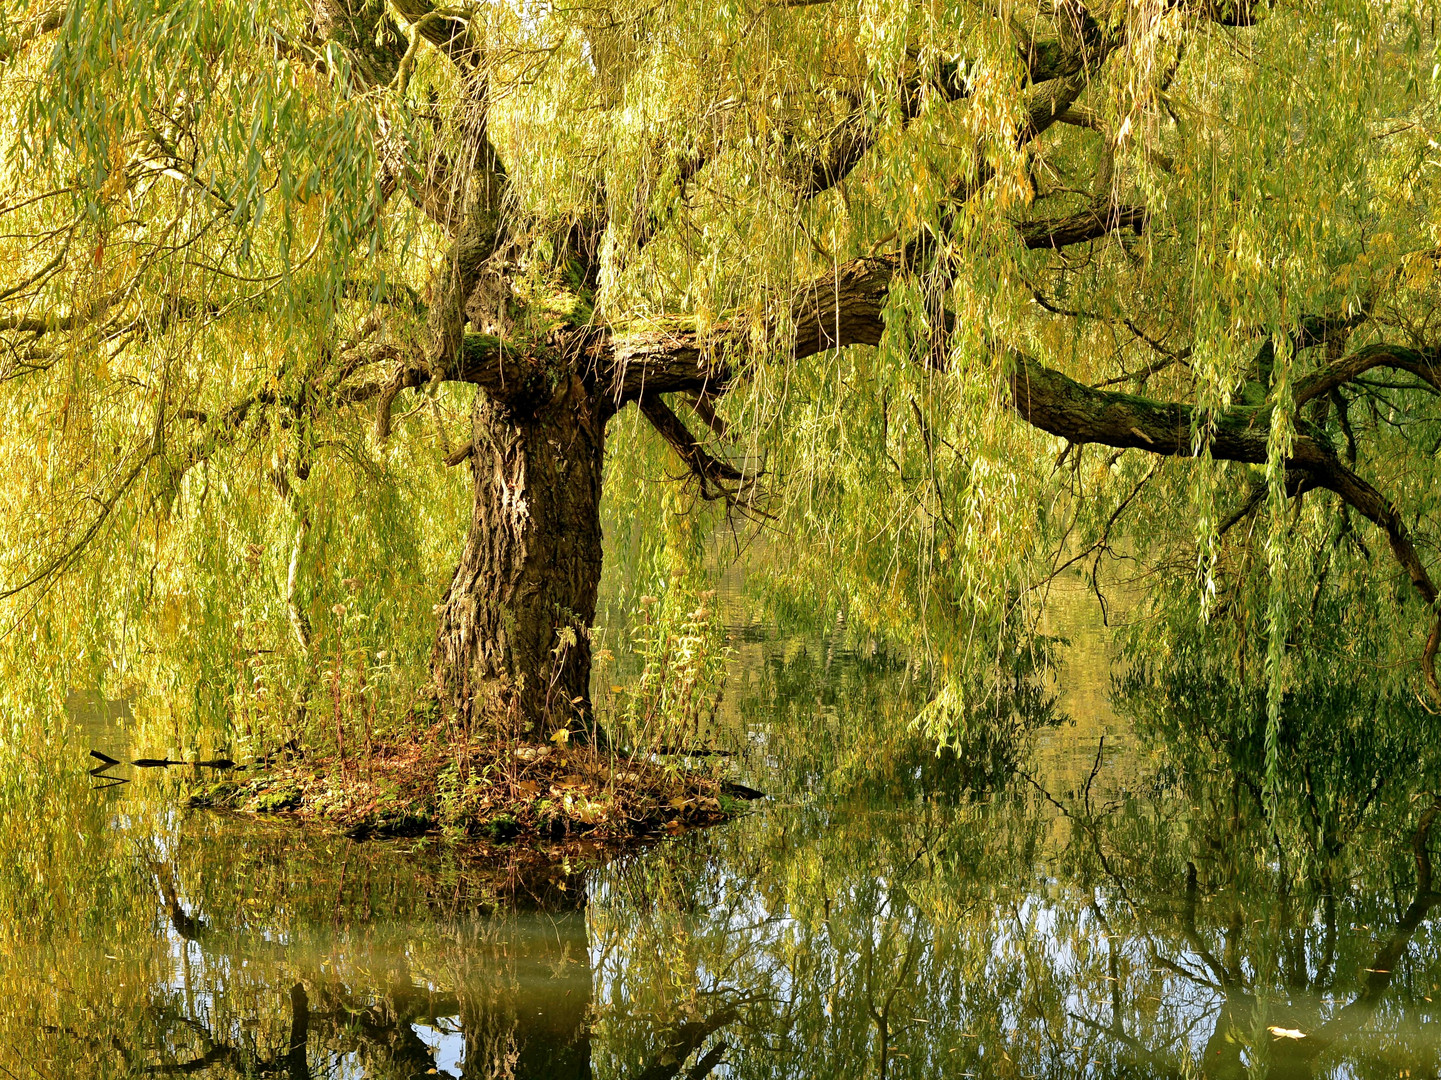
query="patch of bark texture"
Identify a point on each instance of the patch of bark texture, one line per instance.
(513, 643)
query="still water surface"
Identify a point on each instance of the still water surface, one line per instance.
(1066, 911)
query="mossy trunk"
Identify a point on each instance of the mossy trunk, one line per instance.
(513, 645)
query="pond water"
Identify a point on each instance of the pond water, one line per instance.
(1068, 910)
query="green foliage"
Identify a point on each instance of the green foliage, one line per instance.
(216, 235)
(679, 643)
(1346, 737)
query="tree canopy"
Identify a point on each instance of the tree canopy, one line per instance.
(945, 298)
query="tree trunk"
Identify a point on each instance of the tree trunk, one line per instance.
(513, 645)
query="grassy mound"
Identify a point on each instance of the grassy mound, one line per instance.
(497, 793)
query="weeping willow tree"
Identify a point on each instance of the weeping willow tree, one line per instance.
(898, 257)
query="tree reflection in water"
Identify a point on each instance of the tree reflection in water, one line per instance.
(904, 946)
(243, 951)
(1148, 916)
(902, 915)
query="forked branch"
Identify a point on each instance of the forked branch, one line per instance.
(718, 479)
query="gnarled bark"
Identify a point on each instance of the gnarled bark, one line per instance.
(513, 643)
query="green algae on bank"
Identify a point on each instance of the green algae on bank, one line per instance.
(551, 792)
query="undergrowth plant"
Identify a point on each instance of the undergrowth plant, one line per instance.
(680, 641)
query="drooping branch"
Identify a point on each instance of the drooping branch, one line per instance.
(1424, 365)
(73, 550)
(1237, 13)
(22, 36)
(713, 474)
(833, 311)
(836, 310)
(1083, 46)
(682, 171)
(31, 279)
(1060, 405)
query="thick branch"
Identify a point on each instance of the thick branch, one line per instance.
(857, 132)
(1425, 366)
(704, 406)
(707, 469)
(838, 309)
(664, 360)
(54, 324)
(481, 233)
(464, 453)
(433, 193)
(682, 1041)
(513, 375)
(832, 312)
(446, 28)
(1078, 228)
(1049, 61)
(1058, 404)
